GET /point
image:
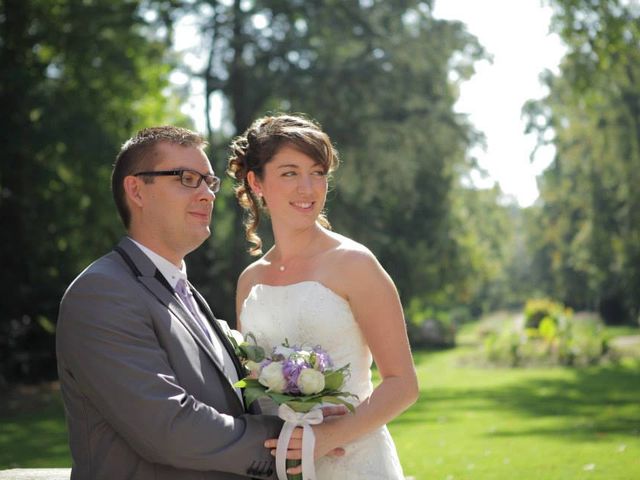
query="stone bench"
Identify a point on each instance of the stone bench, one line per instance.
(36, 474)
(45, 474)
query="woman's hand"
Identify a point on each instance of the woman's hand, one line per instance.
(322, 447)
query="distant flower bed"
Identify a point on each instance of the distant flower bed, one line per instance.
(547, 334)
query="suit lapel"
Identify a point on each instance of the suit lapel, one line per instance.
(221, 335)
(155, 282)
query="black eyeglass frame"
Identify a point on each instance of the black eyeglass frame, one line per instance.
(214, 186)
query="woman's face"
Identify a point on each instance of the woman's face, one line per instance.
(294, 187)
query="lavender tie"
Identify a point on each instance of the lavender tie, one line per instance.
(187, 298)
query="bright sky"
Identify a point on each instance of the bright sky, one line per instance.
(516, 34)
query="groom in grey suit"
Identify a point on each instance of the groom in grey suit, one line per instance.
(146, 370)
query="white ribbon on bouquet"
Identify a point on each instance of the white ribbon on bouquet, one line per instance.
(293, 419)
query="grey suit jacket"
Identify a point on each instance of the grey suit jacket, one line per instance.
(144, 394)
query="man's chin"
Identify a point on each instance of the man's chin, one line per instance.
(204, 234)
(199, 238)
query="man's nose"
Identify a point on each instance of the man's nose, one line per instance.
(205, 193)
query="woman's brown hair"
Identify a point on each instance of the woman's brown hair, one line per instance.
(252, 150)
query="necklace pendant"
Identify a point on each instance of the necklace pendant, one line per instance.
(281, 268)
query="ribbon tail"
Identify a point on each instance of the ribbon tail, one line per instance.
(281, 449)
(308, 447)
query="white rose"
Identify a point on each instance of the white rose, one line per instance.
(253, 367)
(310, 381)
(271, 377)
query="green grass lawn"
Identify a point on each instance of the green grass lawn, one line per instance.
(548, 423)
(469, 423)
(32, 429)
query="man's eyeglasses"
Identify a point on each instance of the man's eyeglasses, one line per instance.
(188, 178)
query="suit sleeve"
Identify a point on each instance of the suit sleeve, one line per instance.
(108, 346)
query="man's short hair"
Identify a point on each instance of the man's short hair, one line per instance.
(139, 154)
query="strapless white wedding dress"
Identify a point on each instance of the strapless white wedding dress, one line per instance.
(308, 313)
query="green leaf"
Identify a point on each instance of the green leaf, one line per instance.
(333, 380)
(254, 353)
(252, 394)
(339, 401)
(233, 342)
(279, 398)
(249, 383)
(301, 406)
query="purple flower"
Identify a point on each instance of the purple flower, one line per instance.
(291, 370)
(322, 359)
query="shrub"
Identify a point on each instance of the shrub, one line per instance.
(504, 347)
(428, 327)
(548, 335)
(536, 310)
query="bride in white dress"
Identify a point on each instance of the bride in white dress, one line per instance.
(316, 287)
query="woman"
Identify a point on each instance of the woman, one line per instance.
(316, 287)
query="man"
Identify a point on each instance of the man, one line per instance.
(146, 371)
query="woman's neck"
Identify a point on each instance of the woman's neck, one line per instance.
(295, 244)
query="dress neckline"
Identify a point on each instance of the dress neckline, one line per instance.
(296, 284)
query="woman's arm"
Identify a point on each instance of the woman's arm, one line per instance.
(376, 306)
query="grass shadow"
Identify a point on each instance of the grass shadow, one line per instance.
(600, 400)
(579, 403)
(32, 429)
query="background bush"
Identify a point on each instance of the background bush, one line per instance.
(547, 333)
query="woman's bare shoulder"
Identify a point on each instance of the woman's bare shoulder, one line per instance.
(252, 274)
(352, 257)
(350, 250)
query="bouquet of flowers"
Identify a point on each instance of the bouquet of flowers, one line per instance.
(297, 378)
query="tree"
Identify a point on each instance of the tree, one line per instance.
(78, 78)
(591, 200)
(377, 75)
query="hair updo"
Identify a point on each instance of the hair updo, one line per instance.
(251, 151)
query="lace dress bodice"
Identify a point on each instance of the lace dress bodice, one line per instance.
(308, 313)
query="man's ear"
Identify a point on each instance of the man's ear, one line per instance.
(254, 183)
(132, 190)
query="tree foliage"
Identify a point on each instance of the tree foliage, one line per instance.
(77, 78)
(81, 76)
(493, 250)
(587, 233)
(378, 77)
